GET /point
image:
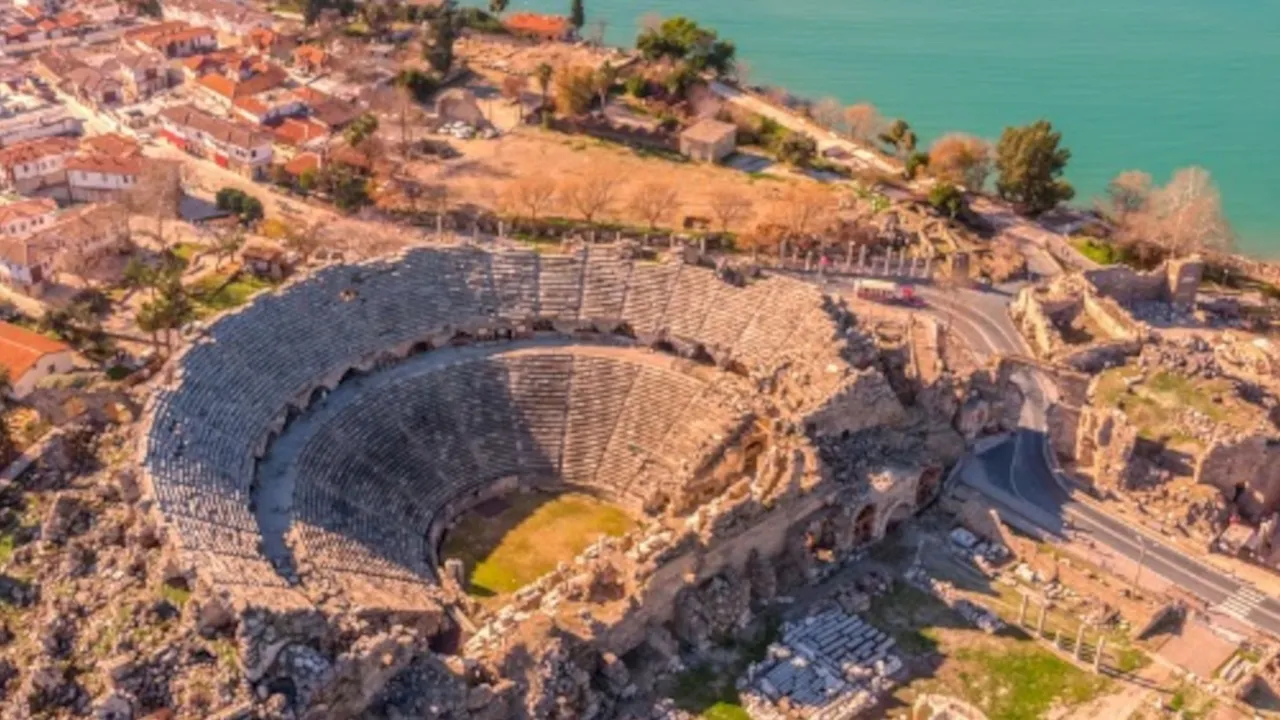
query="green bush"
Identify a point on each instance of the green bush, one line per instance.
(636, 86)
(795, 149)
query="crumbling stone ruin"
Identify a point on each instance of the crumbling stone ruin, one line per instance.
(1097, 319)
(299, 461)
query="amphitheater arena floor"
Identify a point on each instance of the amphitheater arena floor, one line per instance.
(276, 474)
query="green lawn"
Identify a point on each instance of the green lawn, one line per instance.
(1099, 251)
(186, 252)
(213, 293)
(1023, 681)
(507, 549)
(1153, 404)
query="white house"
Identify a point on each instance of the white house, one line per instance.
(99, 177)
(234, 145)
(19, 123)
(27, 216)
(35, 164)
(30, 357)
(27, 262)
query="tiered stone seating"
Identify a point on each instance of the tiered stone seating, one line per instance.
(584, 419)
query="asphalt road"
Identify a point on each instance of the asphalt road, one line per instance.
(1020, 467)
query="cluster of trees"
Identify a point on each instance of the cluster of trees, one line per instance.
(682, 41)
(168, 306)
(348, 188)
(600, 191)
(240, 203)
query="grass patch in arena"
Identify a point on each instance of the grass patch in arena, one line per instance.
(509, 542)
(216, 292)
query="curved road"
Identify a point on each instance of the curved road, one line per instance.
(1019, 476)
(1021, 469)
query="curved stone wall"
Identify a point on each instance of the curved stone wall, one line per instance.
(234, 389)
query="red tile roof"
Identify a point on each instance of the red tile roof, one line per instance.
(26, 208)
(111, 144)
(299, 132)
(21, 349)
(551, 26)
(32, 150)
(302, 163)
(106, 164)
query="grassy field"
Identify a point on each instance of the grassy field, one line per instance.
(508, 548)
(1099, 251)
(1020, 681)
(1153, 404)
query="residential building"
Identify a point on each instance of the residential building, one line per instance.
(226, 90)
(23, 117)
(301, 134)
(536, 25)
(310, 59)
(95, 177)
(235, 145)
(29, 357)
(270, 106)
(174, 39)
(123, 75)
(25, 216)
(29, 261)
(33, 165)
(228, 17)
(709, 140)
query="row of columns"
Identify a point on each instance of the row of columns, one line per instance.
(1077, 649)
(892, 263)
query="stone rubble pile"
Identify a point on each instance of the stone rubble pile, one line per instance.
(827, 666)
(976, 615)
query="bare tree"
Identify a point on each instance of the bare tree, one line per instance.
(829, 114)
(655, 200)
(593, 193)
(158, 193)
(803, 211)
(533, 195)
(1126, 194)
(961, 159)
(650, 21)
(730, 207)
(304, 239)
(227, 244)
(863, 122)
(1185, 216)
(76, 262)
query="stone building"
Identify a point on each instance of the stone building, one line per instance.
(709, 140)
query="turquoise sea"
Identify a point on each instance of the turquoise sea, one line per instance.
(1131, 83)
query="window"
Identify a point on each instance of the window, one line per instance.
(51, 369)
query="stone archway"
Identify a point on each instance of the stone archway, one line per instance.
(896, 515)
(927, 485)
(864, 525)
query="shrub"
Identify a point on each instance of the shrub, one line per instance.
(796, 149)
(914, 164)
(947, 198)
(637, 86)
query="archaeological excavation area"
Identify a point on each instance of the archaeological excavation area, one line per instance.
(312, 454)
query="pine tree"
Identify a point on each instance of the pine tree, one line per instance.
(577, 15)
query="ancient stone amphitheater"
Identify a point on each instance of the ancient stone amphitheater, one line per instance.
(307, 452)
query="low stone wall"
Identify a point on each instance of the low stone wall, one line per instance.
(1098, 357)
(1246, 469)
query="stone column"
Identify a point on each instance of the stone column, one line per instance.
(1022, 611)
(928, 267)
(440, 225)
(848, 258)
(862, 259)
(702, 244)
(1044, 610)
(1079, 641)
(1097, 657)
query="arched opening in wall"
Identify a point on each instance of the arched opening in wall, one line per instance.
(751, 456)
(899, 513)
(350, 373)
(701, 356)
(420, 347)
(320, 391)
(864, 525)
(543, 325)
(624, 330)
(928, 485)
(460, 338)
(664, 346)
(736, 367)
